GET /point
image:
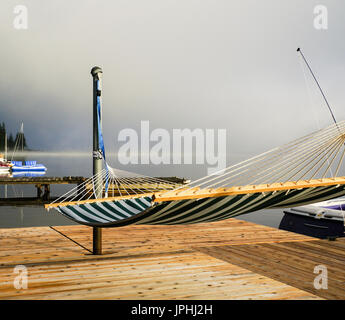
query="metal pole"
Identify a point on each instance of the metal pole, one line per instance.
(96, 73)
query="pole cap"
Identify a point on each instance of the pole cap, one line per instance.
(95, 71)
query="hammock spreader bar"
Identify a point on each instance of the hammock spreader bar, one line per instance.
(136, 199)
(189, 211)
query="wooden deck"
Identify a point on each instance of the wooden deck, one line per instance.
(43, 186)
(42, 180)
(233, 259)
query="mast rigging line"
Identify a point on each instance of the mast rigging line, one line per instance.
(318, 84)
(329, 108)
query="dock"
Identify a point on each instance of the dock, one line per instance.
(43, 187)
(231, 259)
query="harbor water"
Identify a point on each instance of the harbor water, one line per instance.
(62, 164)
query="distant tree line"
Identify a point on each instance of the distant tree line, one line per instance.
(11, 141)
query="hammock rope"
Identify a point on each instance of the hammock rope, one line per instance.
(299, 172)
(301, 60)
(126, 183)
(278, 162)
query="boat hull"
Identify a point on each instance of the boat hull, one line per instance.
(29, 168)
(306, 224)
(322, 220)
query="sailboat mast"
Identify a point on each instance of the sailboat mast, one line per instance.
(21, 135)
(5, 158)
(317, 82)
(5, 153)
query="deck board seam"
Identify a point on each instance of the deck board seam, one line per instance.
(100, 258)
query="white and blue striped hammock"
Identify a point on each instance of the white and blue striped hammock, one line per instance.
(298, 173)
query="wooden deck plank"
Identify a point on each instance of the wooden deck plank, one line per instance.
(18, 243)
(194, 193)
(293, 267)
(149, 262)
(194, 275)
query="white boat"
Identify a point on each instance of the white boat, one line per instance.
(5, 166)
(17, 174)
(29, 166)
(330, 209)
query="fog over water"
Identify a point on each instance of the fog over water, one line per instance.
(80, 164)
(189, 64)
(179, 64)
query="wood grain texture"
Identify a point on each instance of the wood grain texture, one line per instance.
(197, 193)
(148, 262)
(291, 263)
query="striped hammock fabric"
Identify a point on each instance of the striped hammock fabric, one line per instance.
(301, 172)
(144, 211)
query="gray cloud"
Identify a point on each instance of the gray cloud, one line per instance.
(195, 64)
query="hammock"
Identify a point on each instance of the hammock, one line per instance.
(301, 172)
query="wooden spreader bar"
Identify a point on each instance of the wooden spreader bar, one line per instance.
(71, 203)
(220, 192)
(197, 193)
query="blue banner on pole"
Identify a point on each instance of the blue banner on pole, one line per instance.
(100, 136)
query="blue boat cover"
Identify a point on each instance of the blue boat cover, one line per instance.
(17, 163)
(30, 163)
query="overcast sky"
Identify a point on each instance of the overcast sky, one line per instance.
(180, 64)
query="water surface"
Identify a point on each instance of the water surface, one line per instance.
(62, 164)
